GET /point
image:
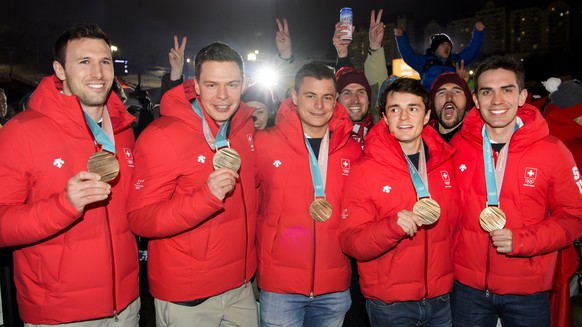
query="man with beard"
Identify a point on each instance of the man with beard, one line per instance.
(450, 99)
(75, 258)
(355, 95)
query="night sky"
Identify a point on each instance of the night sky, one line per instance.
(143, 30)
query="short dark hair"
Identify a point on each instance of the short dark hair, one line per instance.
(404, 85)
(315, 70)
(220, 52)
(502, 62)
(75, 32)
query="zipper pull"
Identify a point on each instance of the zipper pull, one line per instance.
(115, 315)
(311, 296)
(486, 293)
(245, 283)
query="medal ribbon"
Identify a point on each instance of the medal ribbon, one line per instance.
(319, 166)
(103, 136)
(419, 176)
(494, 174)
(221, 139)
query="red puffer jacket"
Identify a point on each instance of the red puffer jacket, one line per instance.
(67, 266)
(541, 196)
(296, 254)
(200, 246)
(392, 266)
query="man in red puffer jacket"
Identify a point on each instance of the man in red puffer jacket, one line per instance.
(199, 213)
(75, 258)
(507, 163)
(406, 269)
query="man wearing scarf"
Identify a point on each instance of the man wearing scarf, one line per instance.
(355, 95)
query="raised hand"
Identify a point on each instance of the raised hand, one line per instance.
(376, 34)
(283, 40)
(85, 188)
(176, 58)
(221, 182)
(462, 71)
(341, 46)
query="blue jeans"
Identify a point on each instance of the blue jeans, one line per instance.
(427, 312)
(296, 310)
(472, 307)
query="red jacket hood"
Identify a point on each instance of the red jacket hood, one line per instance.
(534, 129)
(181, 97)
(561, 121)
(289, 124)
(48, 100)
(382, 146)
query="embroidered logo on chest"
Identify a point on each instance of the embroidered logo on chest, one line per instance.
(128, 157)
(58, 162)
(345, 165)
(446, 178)
(529, 176)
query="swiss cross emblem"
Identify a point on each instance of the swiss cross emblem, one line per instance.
(345, 163)
(129, 156)
(446, 178)
(529, 175)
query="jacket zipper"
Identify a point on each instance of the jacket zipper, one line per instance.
(487, 270)
(425, 264)
(311, 295)
(246, 234)
(114, 286)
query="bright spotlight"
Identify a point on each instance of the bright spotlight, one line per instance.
(267, 76)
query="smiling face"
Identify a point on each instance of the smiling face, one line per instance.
(220, 87)
(88, 71)
(449, 105)
(498, 98)
(406, 114)
(315, 101)
(355, 99)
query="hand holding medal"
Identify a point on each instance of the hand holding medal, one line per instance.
(492, 218)
(226, 157)
(427, 209)
(103, 163)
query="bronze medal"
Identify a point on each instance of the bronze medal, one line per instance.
(226, 157)
(320, 210)
(492, 218)
(104, 164)
(428, 210)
